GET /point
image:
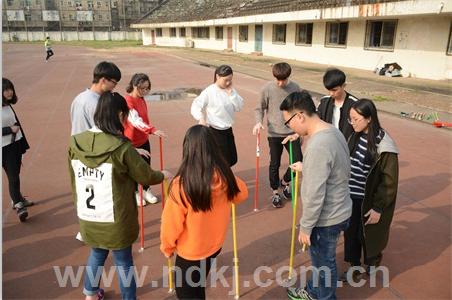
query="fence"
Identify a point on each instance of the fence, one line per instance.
(18, 36)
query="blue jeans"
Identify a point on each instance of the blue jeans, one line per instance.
(124, 265)
(323, 283)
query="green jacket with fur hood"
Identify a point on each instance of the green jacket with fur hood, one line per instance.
(104, 170)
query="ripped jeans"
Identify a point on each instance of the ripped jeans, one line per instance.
(323, 282)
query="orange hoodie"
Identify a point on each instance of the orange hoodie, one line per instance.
(197, 235)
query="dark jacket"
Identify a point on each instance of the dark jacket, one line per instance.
(325, 112)
(23, 143)
(380, 193)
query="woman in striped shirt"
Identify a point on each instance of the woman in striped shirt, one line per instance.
(373, 188)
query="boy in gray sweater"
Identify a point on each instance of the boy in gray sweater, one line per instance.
(271, 96)
(325, 196)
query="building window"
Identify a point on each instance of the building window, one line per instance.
(279, 33)
(69, 3)
(449, 45)
(380, 34)
(200, 32)
(182, 32)
(172, 32)
(219, 32)
(9, 2)
(304, 34)
(243, 33)
(158, 32)
(336, 33)
(99, 4)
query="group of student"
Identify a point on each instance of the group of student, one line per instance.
(345, 187)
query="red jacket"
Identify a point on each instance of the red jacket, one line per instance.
(137, 127)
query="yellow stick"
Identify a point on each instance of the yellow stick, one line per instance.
(236, 259)
(294, 223)
(170, 277)
(165, 188)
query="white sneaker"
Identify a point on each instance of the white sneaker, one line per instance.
(149, 197)
(137, 197)
(79, 237)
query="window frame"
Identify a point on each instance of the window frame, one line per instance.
(182, 29)
(328, 32)
(158, 32)
(274, 27)
(367, 37)
(201, 32)
(243, 36)
(297, 30)
(172, 32)
(219, 29)
(449, 43)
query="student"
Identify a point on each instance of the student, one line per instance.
(104, 168)
(48, 47)
(335, 108)
(196, 216)
(324, 189)
(14, 145)
(138, 126)
(215, 107)
(106, 76)
(373, 187)
(271, 96)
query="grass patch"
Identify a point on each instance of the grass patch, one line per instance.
(380, 98)
(91, 44)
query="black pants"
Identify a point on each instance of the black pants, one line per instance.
(195, 287)
(276, 150)
(49, 54)
(11, 162)
(354, 238)
(146, 146)
(226, 143)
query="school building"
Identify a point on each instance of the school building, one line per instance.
(363, 34)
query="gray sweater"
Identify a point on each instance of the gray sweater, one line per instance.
(325, 194)
(270, 99)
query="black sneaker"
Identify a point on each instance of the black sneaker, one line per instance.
(287, 193)
(356, 276)
(22, 212)
(26, 202)
(276, 201)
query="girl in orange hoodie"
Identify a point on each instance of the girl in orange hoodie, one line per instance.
(196, 216)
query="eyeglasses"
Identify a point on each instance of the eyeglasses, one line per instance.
(354, 122)
(290, 119)
(112, 81)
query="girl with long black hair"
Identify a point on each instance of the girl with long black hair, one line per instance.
(197, 213)
(373, 187)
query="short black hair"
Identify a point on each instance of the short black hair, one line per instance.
(281, 71)
(136, 80)
(333, 77)
(106, 70)
(8, 85)
(301, 101)
(107, 112)
(222, 71)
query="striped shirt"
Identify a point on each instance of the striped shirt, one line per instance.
(359, 169)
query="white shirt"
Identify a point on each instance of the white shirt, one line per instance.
(8, 120)
(336, 115)
(218, 106)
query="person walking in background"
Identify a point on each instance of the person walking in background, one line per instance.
(335, 108)
(14, 145)
(271, 96)
(106, 76)
(48, 47)
(104, 169)
(324, 189)
(215, 107)
(196, 215)
(373, 188)
(138, 126)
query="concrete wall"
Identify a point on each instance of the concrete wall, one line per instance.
(72, 35)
